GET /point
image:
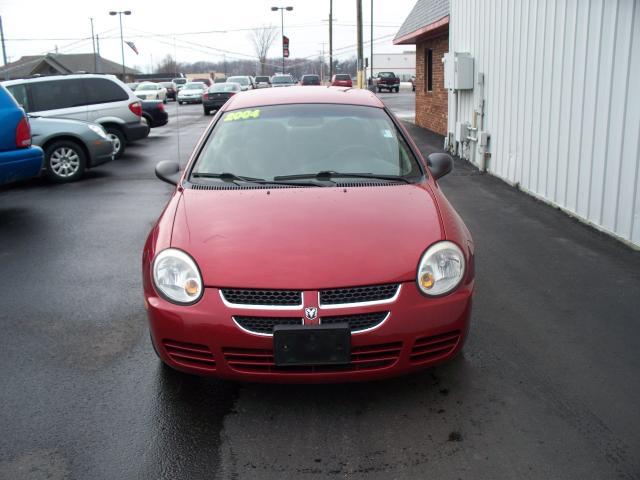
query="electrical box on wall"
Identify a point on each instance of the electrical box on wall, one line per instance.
(462, 131)
(458, 71)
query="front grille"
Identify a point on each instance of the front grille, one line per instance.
(265, 324)
(268, 298)
(190, 354)
(426, 349)
(359, 322)
(337, 296)
(370, 357)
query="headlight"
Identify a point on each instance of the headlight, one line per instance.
(97, 129)
(441, 268)
(177, 277)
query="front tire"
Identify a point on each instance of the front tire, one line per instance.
(65, 161)
(118, 139)
(207, 111)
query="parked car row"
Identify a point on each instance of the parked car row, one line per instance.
(78, 121)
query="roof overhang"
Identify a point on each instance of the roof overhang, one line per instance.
(432, 30)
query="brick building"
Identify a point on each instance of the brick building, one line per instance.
(427, 27)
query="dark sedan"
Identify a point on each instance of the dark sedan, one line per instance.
(154, 113)
(310, 80)
(217, 95)
(172, 90)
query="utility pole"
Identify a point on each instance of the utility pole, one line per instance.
(98, 50)
(359, 42)
(93, 44)
(371, 55)
(322, 66)
(330, 39)
(4, 48)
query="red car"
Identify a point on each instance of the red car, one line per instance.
(307, 240)
(341, 80)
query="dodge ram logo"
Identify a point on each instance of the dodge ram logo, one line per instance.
(311, 313)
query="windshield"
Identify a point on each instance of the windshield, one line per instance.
(282, 79)
(148, 86)
(194, 86)
(386, 75)
(282, 140)
(343, 77)
(262, 79)
(240, 80)
(180, 81)
(225, 87)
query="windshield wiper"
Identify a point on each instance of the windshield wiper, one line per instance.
(230, 177)
(329, 174)
(227, 177)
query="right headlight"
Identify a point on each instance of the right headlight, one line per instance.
(177, 277)
(441, 269)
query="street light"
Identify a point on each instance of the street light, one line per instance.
(126, 12)
(282, 9)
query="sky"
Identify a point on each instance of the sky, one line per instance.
(35, 27)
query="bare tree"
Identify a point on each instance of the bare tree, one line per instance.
(262, 39)
(167, 65)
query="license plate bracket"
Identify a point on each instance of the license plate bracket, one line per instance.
(301, 345)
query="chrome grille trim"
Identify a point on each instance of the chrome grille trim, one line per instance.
(245, 306)
(356, 332)
(360, 304)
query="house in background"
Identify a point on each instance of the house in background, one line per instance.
(64, 64)
(427, 27)
(543, 95)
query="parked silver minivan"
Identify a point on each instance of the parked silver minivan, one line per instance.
(101, 99)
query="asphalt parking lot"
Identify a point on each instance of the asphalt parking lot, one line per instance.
(547, 387)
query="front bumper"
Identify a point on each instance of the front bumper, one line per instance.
(190, 99)
(203, 338)
(100, 151)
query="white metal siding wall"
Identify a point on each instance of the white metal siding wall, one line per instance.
(562, 101)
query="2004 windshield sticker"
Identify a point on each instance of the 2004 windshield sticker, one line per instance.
(242, 115)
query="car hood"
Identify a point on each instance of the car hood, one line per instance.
(306, 238)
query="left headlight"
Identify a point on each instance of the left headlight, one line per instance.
(441, 269)
(177, 277)
(98, 130)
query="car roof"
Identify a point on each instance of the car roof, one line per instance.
(291, 95)
(46, 78)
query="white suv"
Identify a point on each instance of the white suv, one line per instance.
(101, 99)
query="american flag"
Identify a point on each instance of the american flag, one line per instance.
(133, 47)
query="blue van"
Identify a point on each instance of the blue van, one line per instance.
(18, 158)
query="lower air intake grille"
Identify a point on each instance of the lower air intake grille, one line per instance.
(372, 293)
(271, 298)
(265, 324)
(190, 354)
(370, 357)
(426, 349)
(357, 323)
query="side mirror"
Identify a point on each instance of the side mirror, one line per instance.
(168, 171)
(440, 164)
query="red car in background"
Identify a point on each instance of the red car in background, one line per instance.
(307, 240)
(341, 80)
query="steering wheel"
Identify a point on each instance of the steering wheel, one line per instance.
(351, 151)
